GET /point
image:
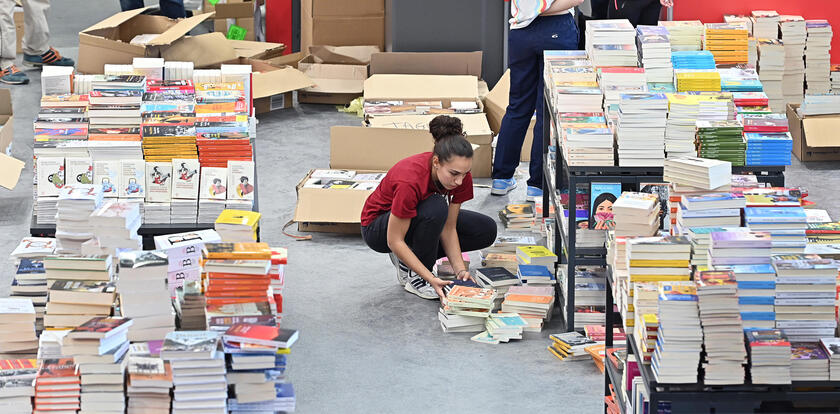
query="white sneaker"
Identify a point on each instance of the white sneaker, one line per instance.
(420, 287)
(402, 269)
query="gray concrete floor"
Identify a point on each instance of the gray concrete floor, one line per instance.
(366, 345)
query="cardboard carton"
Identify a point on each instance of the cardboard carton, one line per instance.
(339, 73)
(427, 63)
(414, 88)
(10, 168)
(342, 23)
(389, 139)
(109, 40)
(329, 209)
(495, 105)
(814, 137)
(273, 84)
(238, 12)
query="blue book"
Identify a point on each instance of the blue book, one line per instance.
(30, 266)
(534, 271)
(758, 316)
(757, 300)
(775, 215)
(751, 269)
(757, 285)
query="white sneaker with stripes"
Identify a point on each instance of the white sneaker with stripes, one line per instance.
(402, 269)
(420, 287)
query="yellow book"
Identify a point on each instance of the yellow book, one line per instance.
(556, 354)
(659, 278)
(659, 263)
(239, 217)
(532, 252)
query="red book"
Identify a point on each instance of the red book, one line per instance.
(100, 327)
(57, 371)
(621, 69)
(261, 335)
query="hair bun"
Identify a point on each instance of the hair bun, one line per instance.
(443, 126)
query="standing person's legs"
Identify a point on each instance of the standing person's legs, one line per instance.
(559, 33)
(173, 9)
(649, 15)
(126, 5)
(476, 231)
(524, 77)
(8, 37)
(36, 30)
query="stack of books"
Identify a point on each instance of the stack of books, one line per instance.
(698, 60)
(49, 344)
(641, 129)
(751, 103)
(238, 226)
(686, 35)
(765, 24)
(756, 294)
(535, 255)
(835, 77)
(817, 56)
(497, 278)
(221, 139)
(115, 107)
(721, 140)
(569, 345)
(691, 80)
(716, 106)
(279, 260)
(256, 367)
(198, 371)
(506, 260)
(771, 71)
(786, 225)
(727, 42)
(646, 331)
(534, 304)
(190, 305)
(74, 302)
(723, 335)
(611, 42)
(185, 191)
(49, 178)
(99, 347)
(680, 337)
(700, 173)
(30, 284)
(144, 296)
(501, 327)
(792, 29)
(587, 145)
(831, 346)
(75, 204)
(589, 287)
(149, 381)
(768, 139)
(680, 129)
(636, 214)
(808, 362)
(18, 323)
(18, 384)
(57, 386)
(575, 87)
(518, 217)
(805, 289)
(237, 273)
(535, 275)
(214, 99)
(462, 320)
(654, 47)
(820, 105)
(616, 81)
(115, 225)
(168, 121)
(734, 249)
(738, 79)
(184, 253)
(769, 357)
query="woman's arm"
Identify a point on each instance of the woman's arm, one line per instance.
(451, 244)
(560, 6)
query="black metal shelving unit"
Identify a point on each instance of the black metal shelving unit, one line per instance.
(569, 177)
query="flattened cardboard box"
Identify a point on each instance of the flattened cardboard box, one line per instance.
(109, 40)
(339, 73)
(329, 206)
(495, 105)
(815, 138)
(379, 148)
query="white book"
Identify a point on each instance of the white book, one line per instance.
(333, 174)
(107, 173)
(159, 182)
(241, 180)
(79, 170)
(152, 68)
(56, 80)
(132, 178)
(51, 175)
(213, 183)
(186, 175)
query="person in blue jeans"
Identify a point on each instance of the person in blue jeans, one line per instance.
(173, 9)
(536, 26)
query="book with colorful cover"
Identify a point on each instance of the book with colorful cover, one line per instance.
(196, 344)
(807, 351)
(57, 371)
(741, 239)
(534, 252)
(234, 251)
(100, 327)
(261, 335)
(766, 337)
(775, 215)
(823, 228)
(679, 291)
(603, 196)
(712, 278)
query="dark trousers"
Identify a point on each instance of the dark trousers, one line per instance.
(525, 60)
(475, 231)
(644, 12)
(172, 9)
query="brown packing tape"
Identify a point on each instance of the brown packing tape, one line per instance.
(348, 55)
(10, 169)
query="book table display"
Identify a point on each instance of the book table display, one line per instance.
(822, 396)
(558, 176)
(149, 231)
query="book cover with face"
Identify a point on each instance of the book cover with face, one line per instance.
(213, 183)
(133, 179)
(107, 173)
(51, 175)
(185, 172)
(241, 183)
(159, 182)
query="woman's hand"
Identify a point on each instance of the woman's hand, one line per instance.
(465, 275)
(438, 284)
(667, 3)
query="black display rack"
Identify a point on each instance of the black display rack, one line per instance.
(701, 398)
(569, 177)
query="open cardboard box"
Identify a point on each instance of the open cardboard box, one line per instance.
(238, 12)
(109, 40)
(342, 23)
(330, 209)
(10, 168)
(815, 137)
(495, 105)
(339, 73)
(390, 139)
(273, 84)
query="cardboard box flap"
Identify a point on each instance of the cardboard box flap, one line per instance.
(116, 19)
(5, 101)
(326, 85)
(283, 80)
(260, 50)
(421, 87)
(822, 131)
(496, 102)
(204, 50)
(283, 60)
(348, 55)
(419, 63)
(179, 30)
(474, 124)
(10, 169)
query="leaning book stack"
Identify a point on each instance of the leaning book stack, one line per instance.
(680, 337)
(57, 386)
(723, 335)
(144, 296)
(641, 129)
